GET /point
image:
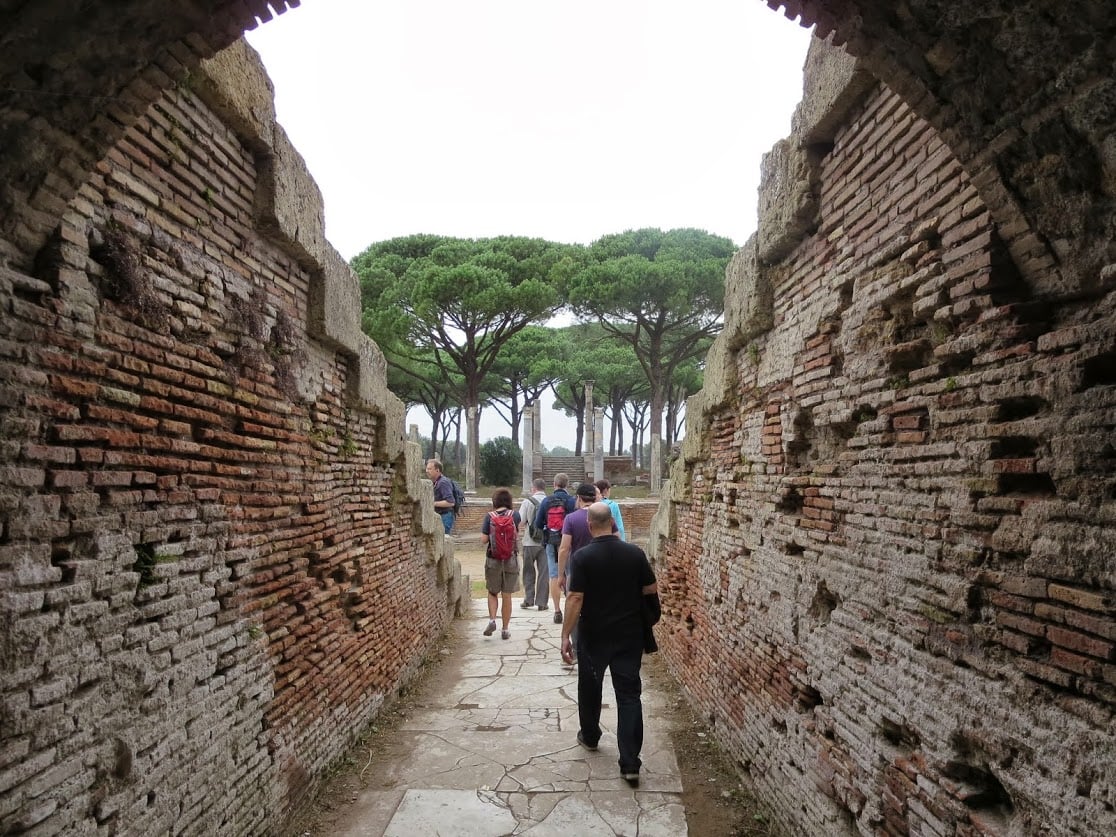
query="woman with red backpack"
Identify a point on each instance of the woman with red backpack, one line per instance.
(501, 559)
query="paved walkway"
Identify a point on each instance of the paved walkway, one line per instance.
(495, 753)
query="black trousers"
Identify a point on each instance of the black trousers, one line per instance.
(623, 659)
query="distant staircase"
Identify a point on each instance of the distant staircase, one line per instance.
(572, 466)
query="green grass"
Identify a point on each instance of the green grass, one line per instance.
(629, 492)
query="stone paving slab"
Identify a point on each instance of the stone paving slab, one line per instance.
(496, 753)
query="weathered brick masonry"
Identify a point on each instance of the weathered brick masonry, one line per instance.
(887, 554)
(215, 560)
(888, 548)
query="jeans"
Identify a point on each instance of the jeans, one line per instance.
(536, 578)
(623, 658)
(447, 520)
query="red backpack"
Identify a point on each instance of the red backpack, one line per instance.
(501, 534)
(555, 515)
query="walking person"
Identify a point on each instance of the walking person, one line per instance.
(551, 514)
(604, 486)
(501, 564)
(575, 529)
(575, 534)
(609, 580)
(536, 575)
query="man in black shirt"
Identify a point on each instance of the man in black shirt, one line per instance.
(608, 580)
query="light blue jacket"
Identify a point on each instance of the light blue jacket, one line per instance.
(616, 516)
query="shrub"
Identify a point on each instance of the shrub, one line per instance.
(501, 462)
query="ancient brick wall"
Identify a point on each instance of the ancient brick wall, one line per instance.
(887, 549)
(217, 556)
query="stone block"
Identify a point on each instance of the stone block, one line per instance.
(748, 298)
(837, 84)
(788, 203)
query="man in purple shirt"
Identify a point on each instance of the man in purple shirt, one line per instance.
(575, 529)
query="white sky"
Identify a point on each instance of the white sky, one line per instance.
(563, 120)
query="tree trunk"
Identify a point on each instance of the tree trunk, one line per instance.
(656, 439)
(457, 440)
(516, 416)
(435, 426)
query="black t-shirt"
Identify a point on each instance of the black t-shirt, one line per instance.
(611, 574)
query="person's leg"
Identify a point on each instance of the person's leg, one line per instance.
(625, 665)
(590, 677)
(492, 584)
(529, 570)
(552, 570)
(542, 582)
(492, 598)
(505, 611)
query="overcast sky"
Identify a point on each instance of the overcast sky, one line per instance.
(563, 120)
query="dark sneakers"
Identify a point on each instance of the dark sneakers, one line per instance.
(629, 774)
(593, 747)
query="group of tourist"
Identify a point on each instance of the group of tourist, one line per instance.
(575, 544)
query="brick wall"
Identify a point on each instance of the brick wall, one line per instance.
(887, 551)
(217, 558)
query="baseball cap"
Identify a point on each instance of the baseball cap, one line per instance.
(587, 491)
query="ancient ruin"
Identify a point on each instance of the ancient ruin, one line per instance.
(887, 548)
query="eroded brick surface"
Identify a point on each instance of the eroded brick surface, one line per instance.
(212, 574)
(890, 578)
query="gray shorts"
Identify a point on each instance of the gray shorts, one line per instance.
(501, 576)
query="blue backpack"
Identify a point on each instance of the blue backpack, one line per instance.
(458, 498)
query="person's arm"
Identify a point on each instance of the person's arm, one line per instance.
(573, 611)
(563, 557)
(484, 529)
(441, 502)
(619, 518)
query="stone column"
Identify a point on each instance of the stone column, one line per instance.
(598, 450)
(414, 434)
(471, 439)
(528, 436)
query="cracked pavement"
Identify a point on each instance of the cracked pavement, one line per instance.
(496, 754)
